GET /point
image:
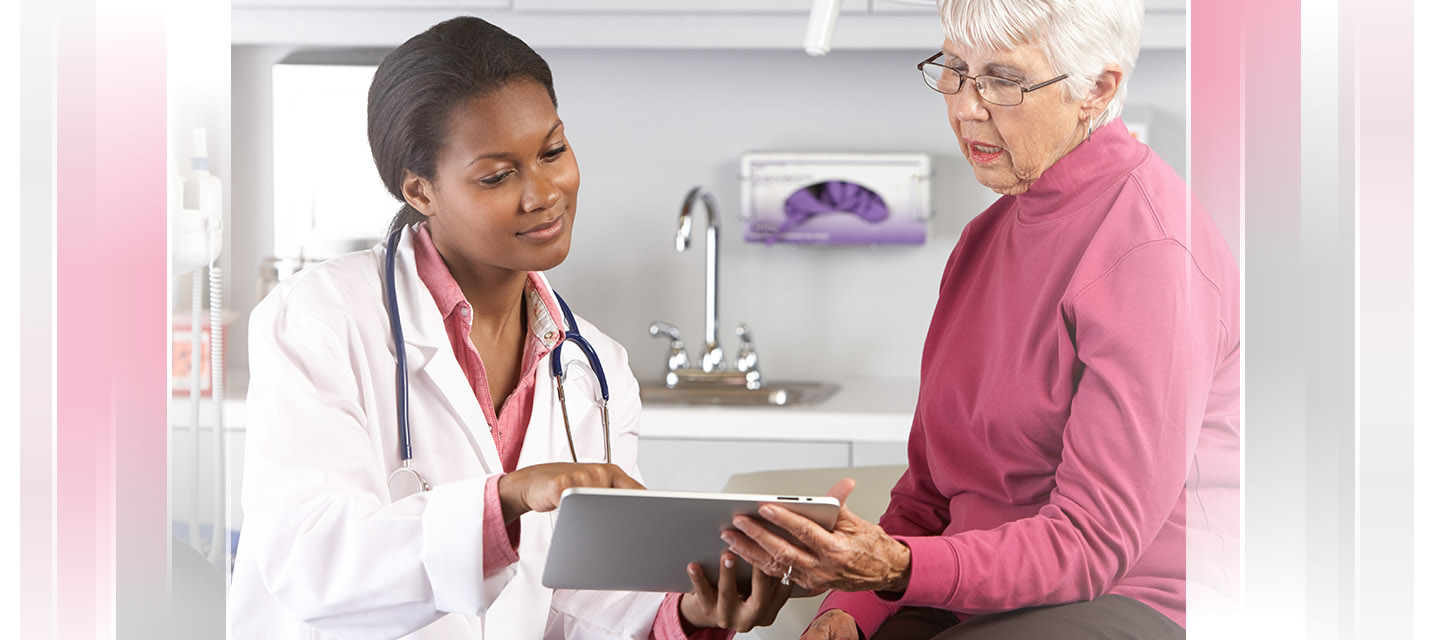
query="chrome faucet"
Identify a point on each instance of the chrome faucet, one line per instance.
(713, 368)
(712, 358)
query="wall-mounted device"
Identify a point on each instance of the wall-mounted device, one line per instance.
(835, 198)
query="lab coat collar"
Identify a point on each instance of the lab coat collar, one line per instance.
(546, 320)
(544, 313)
(425, 339)
(424, 329)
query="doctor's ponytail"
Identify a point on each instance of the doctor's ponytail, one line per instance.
(419, 84)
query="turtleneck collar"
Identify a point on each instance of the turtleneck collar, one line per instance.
(1080, 176)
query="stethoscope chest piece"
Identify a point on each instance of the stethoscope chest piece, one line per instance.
(406, 481)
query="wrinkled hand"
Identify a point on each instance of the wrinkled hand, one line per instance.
(856, 556)
(538, 488)
(832, 625)
(720, 605)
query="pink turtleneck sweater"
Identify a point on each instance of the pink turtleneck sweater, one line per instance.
(1080, 385)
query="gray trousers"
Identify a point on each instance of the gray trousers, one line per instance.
(1108, 617)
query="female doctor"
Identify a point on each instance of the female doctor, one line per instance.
(344, 536)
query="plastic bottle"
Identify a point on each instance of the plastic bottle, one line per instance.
(197, 241)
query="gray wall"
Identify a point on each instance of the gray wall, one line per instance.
(647, 125)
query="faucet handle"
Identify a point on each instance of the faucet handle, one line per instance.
(677, 359)
(747, 360)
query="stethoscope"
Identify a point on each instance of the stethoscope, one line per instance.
(559, 370)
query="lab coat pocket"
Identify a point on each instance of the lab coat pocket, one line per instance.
(602, 614)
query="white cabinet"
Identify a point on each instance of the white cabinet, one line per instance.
(681, 6)
(373, 4)
(705, 465)
(627, 24)
(876, 454)
(928, 6)
(677, 464)
(698, 448)
(192, 480)
(887, 6)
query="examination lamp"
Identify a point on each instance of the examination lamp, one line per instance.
(821, 30)
(823, 16)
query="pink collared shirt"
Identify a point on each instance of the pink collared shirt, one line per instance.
(508, 426)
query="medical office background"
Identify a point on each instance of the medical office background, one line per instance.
(662, 96)
(669, 101)
(657, 98)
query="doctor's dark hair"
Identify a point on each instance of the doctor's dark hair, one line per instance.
(418, 85)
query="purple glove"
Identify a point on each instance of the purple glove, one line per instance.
(828, 197)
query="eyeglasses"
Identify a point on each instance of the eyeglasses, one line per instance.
(997, 91)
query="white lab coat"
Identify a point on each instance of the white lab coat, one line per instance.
(325, 551)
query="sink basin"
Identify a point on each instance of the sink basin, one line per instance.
(774, 394)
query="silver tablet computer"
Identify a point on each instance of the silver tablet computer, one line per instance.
(634, 540)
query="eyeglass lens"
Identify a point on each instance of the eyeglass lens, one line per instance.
(998, 91)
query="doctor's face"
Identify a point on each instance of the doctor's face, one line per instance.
(505, 183)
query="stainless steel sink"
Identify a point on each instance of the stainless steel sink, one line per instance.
(776, 393)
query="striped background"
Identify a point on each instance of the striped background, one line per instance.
(1304, 145)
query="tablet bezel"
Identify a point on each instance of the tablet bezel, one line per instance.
(640, 540)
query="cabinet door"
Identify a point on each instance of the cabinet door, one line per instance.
(682, 6)
(192, 479)
(1164, 5)
(890, 6)
(374, 4)
(705, 465)
(909, 6)
(877, 454)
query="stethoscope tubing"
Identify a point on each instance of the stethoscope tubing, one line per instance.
(557, 368)
(572, 334)
(402, 371)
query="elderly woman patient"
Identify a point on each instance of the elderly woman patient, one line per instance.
(1079, 395)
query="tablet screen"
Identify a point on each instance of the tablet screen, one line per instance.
(634, 540)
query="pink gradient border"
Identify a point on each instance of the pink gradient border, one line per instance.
(35, 492)
(109, 528)
(111, 532)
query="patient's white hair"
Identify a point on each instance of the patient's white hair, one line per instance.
(1078, 37)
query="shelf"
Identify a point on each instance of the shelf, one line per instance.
(364, 26)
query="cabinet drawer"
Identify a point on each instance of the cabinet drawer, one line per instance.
(372, 4)
(681, 6)
(705, 465)
(876, 454)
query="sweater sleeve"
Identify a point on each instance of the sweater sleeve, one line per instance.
(916, 509)
(1148, 332)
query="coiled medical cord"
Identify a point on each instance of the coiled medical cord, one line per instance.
(219, 550)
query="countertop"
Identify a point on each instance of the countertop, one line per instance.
(863, 410)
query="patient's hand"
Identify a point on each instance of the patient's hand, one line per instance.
(832, 625)
(721, 605)
(856, 556)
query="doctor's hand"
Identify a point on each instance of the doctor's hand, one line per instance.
(856, 556)
(538, 488)
(721, 605)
